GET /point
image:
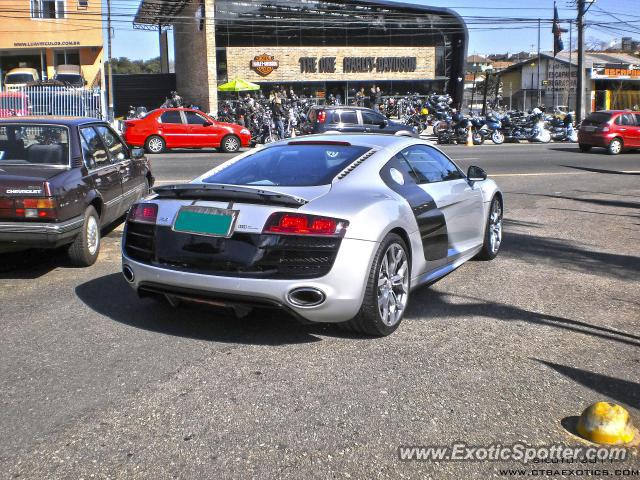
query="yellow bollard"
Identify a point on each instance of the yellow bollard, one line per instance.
(605, 423)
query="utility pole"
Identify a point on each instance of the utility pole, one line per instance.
(538, 73)
(109, 69)
(580, 79)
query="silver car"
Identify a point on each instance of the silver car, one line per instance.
(332, 228)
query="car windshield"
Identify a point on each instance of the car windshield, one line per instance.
(18, 78)
(70, 78)
(289, 165)
(597, 118)
(34, 144)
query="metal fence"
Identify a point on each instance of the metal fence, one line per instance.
(51, 101)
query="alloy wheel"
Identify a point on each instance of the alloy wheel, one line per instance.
(495, 227)
(393, 284)
(93, 235)
(231, 144)
(155, 145)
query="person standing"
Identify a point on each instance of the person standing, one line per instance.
(278, 115)
(360, 97)
(372, 97)
(377, 99)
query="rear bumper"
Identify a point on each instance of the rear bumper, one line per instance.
(595, 140)
(343, 286)
(39, 235)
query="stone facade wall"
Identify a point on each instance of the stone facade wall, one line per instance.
(195, 56)
(289, 68)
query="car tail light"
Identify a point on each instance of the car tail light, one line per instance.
(322, 116)
(143, 213)
(300, 224)
(128, 124)
(28, 208)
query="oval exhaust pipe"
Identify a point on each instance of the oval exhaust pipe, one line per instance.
(306, 297)
(128, 273)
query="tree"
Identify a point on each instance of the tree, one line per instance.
(123, 65)
(594, 44)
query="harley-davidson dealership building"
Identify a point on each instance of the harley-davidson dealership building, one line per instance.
(313, 47)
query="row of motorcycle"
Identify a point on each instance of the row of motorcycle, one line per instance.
(256, 113)
(515, 126)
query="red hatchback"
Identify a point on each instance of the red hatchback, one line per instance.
(167, 128)
(615, 130)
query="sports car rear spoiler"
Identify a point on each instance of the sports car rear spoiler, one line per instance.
(197, 191)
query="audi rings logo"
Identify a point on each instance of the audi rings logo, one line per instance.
(264, 64)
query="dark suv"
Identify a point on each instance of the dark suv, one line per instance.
(348, 119)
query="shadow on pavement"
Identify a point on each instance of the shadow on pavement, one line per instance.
(593, 201)
(537, 250)
(600, 170)
(437, 305)
(112, 297)
(619, 390)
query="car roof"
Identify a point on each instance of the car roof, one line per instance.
(341, 107)
(66, 121)
(68, 68)
(22, 70)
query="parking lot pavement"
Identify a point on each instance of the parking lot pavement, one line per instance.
(95, 382)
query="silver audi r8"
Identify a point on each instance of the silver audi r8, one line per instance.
(332, 228)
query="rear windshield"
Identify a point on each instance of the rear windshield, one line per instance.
(289, 166)
(70, 78)
(18, 78)
(34, 144)
(597, 118)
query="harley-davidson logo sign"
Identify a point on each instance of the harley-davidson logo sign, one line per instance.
(264, 64)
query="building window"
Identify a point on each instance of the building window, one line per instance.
(47, 8)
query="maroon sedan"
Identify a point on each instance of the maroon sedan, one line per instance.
(615, 130)
(167, 128)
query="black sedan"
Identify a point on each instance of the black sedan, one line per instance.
(62, 180)
(350, 119)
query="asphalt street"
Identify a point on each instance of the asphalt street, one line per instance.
(96, 383)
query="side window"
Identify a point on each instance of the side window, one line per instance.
(370, 118)
(430, 165)
(626, 119)
(398, 162)
(94, 153)
(637, 115)
(194, 118)
(171, 116)
(117, 151)
(348, 116)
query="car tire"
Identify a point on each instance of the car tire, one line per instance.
(84, 250)
(230, 144)
(584, 148)
(155, 144)
(615, 146)
(369, 319)
(492, 231)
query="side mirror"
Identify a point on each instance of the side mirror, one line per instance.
(137, 153)
(384, 123)
(207, 124)
(476, 174)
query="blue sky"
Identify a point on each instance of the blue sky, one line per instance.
(614, 17)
